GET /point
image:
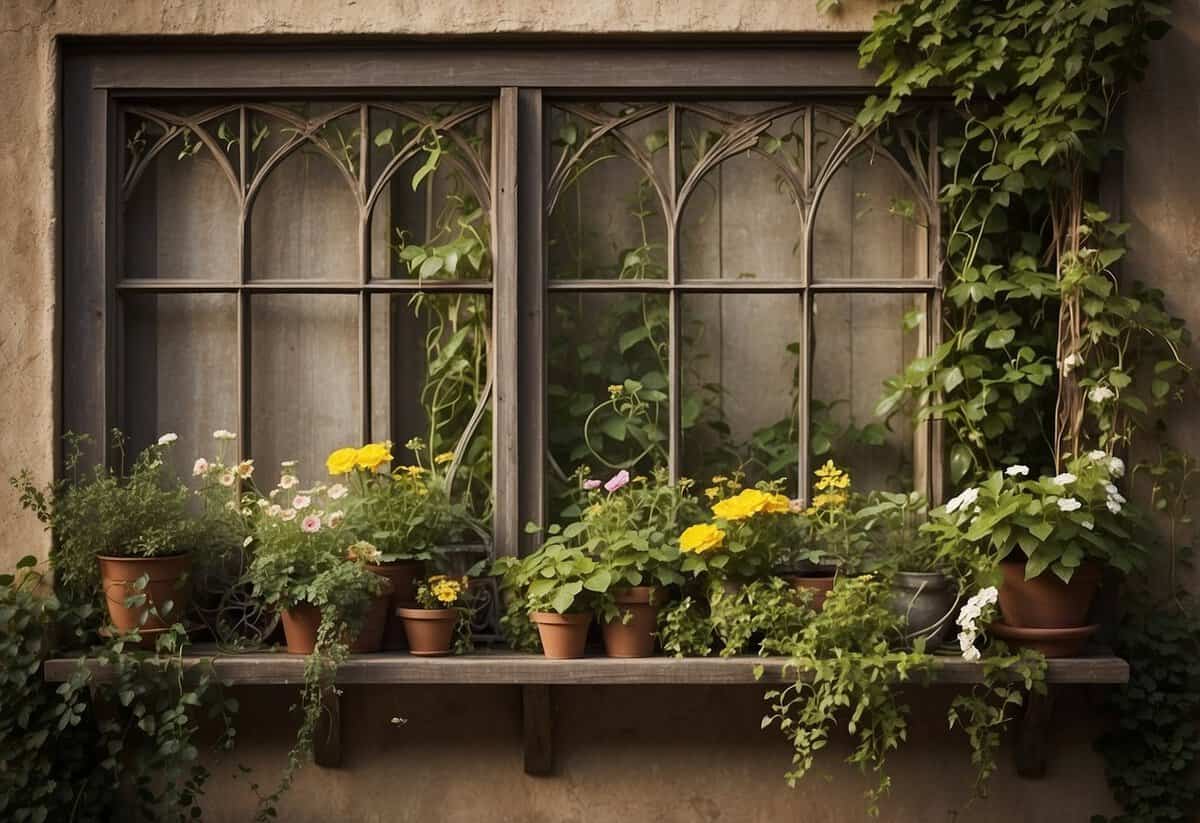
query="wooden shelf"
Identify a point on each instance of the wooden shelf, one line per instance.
(497, 667)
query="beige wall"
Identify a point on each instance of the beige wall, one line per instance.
(628, 754)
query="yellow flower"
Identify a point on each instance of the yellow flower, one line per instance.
(373, 455)
(341, 461)
(749, 503)
(445, 590)
(828, 500)
(712, 492)
(719, 479)
(444, 457)
(776, 504)
(701, 538)
(616, 389)
(830, 477)
(414, 471)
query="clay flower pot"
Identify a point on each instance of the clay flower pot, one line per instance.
(167, 583)
(819, 581)
(301, 622)
(1050, 642)
(563, 635)
(635, 638)
(429, 631)
(1045, 602)
(403, 575)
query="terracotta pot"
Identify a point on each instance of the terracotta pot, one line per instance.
(563, 635)
(635, 638)
(820, 583)
(1050, 642)
(429, 631)
(403, 575)
(1045, 602)
(168, 582)
(301, 622)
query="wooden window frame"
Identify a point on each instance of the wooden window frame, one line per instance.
(522, 80)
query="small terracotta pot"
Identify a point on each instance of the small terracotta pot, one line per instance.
(403, 575)
(1050, 642)
(301, 622)
(564, 636)
(429, 631)
(167, 582)
(820, 583)
(1045, 602)
(635, 638)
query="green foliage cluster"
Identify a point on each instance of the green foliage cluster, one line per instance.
(763, 617)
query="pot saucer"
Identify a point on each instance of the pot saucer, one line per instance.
(1067, 642)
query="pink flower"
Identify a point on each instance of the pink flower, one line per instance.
(301, 501)
(591, 484)
(617, 481)
(310, 524)
(200, 467)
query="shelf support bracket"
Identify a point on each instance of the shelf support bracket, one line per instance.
(327, 737)
(537, 709)
(1033, 734)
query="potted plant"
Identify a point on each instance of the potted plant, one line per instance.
(1050, 537)
(629, 528)
(309, 566)
(923, 575)
(441, 618)
(125, 534)
(739, 543)
(556, 586)
(408, 514)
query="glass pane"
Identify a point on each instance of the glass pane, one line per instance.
(607, 192)
(430, 218)
(859, 341)
(180, 218)
(606, 384)
(429, 380)
(870, 223)
(741, 360)
(742, 212)
(304, 216)
(180, 371)
(304, 379)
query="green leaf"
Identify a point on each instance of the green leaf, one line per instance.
(598, 582)
(383, 138)
(1000, 338)
(961, 461)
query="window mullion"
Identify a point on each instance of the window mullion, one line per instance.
(506, 421)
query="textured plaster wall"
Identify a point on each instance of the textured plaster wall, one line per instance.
(648, 754)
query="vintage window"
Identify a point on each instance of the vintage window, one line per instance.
(493, 252)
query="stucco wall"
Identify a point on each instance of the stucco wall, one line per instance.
(628, 754)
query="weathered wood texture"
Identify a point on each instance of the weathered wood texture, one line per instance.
(494, 667)
(537, 715)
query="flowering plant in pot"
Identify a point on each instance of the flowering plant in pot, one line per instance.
(1050, 538)
(441, 618)
(743, 536)
(556, 586)
(407, 513)
(121, 533)
(629, 527)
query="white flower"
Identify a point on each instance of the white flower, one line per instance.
(337, 491)
(262, 503)
(287, 481)
(1098, 454)
(965, 499)
(1100, 394)
(223, 434)
(1071, 361)
(301, 501)
(1064, 479)
(228, 478)
(335, 519)
(274, 493)
(167, 439)
(288, 464)
(1113, 506)
(1110, 488)
(310, 524)
(1088, 524)
(245, 469)
(1018, 470)
(287, 514)
(1116, 467)
(200, 467)
(274, 510)
(1069, 504)
(249, 539)
(971, 655)
(1119, 498)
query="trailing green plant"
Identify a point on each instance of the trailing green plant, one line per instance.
(846, 670)
(764, 617)
(685, 629)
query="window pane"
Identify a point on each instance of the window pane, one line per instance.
(180, 219)
(429, 364)
(607, 192)
(180, 370)
(858, 341)
(741, 360)
(305, 208)
(597, 343)
(431, 215)
(869, 223)
(304, 379)
(742, 183)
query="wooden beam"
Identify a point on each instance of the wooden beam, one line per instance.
(327, 738)
(537, 717)
(1033, 734)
